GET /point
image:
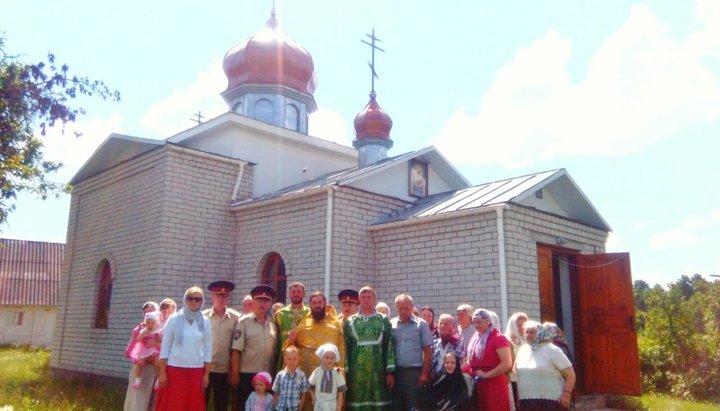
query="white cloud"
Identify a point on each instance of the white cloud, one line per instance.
(614, 243)
(73, 151)
(686, 233)
(173, 114)
(641, 86)
(329, 124)
(679, 237)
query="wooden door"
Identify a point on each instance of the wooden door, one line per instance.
(607, 324)
(546, 284)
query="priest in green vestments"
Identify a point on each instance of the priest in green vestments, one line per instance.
(370, 356)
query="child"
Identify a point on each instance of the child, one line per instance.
(260, 399)
(327, 385)
(291, 383)
(147, 345)
(447, 391)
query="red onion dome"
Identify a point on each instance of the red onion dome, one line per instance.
(372, 121)
(270, 57)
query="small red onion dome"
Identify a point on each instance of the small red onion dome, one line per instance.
(270, 57)
(372, 121)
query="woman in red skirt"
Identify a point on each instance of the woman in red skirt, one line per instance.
(489, 357)
(185, 357)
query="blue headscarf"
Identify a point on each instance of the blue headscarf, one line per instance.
(190, 316)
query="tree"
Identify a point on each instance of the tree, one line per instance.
(34, 97)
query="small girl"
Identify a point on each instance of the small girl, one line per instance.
(327, 385)
(260, 399)
(147, 345)
(447, 391)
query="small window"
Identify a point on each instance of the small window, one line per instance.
(18, 317)
(264, 110)
(237, 107)
(274, 275)
(292, 115)
(102, 312)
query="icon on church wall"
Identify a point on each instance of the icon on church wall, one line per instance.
(418, 178)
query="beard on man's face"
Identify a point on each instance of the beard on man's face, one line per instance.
(296, 299)
(318, 314)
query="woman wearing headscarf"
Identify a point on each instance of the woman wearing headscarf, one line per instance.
(185, 357)
(560, 341)
(545, 376)
(514, 332)
(447, 341)
(428, 314)
(489, 358)
(142, 398)
(447, 391)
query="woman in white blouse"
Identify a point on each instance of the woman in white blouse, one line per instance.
(185, 357)
(545, 375)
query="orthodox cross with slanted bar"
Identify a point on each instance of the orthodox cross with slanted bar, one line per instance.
(371, 63)
(198, 117)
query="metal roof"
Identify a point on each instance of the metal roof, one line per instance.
(30, 272)
(512, 190)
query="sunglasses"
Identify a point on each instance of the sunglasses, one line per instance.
(222, 295)
(194, 299)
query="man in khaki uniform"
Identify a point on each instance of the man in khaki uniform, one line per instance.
(223, 320)
(253, 347)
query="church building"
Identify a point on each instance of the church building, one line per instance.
(249, 196)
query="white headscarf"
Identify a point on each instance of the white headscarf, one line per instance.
(512, 332)
(320, 352)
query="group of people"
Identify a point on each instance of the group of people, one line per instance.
(309, 357)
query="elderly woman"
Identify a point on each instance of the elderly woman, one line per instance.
(428, 314)
(185, 357)
(489, 358)
(447, 341)
(545, 376)
(515, 332)
(383, 308)
(560, 341)
(167, 308)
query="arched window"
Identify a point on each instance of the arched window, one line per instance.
(292, 115)
(238, 107)
(102, 310)
(264, 110)
(273, 274)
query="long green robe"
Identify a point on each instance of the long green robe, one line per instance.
(286, 319)
(370, 356)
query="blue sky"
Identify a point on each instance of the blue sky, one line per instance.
(624, 95)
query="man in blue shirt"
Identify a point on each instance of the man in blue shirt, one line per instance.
(413, 353)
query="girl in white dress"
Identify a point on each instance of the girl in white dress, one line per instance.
(327, 385)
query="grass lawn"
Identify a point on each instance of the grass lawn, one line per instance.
(25, 384)
(657, 402)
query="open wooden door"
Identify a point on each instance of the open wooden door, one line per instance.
(546, 284)
(607, 324)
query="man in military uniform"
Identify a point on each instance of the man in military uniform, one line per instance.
(254, 344)
(223, 320)
(348, 303)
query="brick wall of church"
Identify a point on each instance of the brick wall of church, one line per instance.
(441, 263)
(162, 221)
(353, 258)
(295, 229)
(524, 229)
(447, 262)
